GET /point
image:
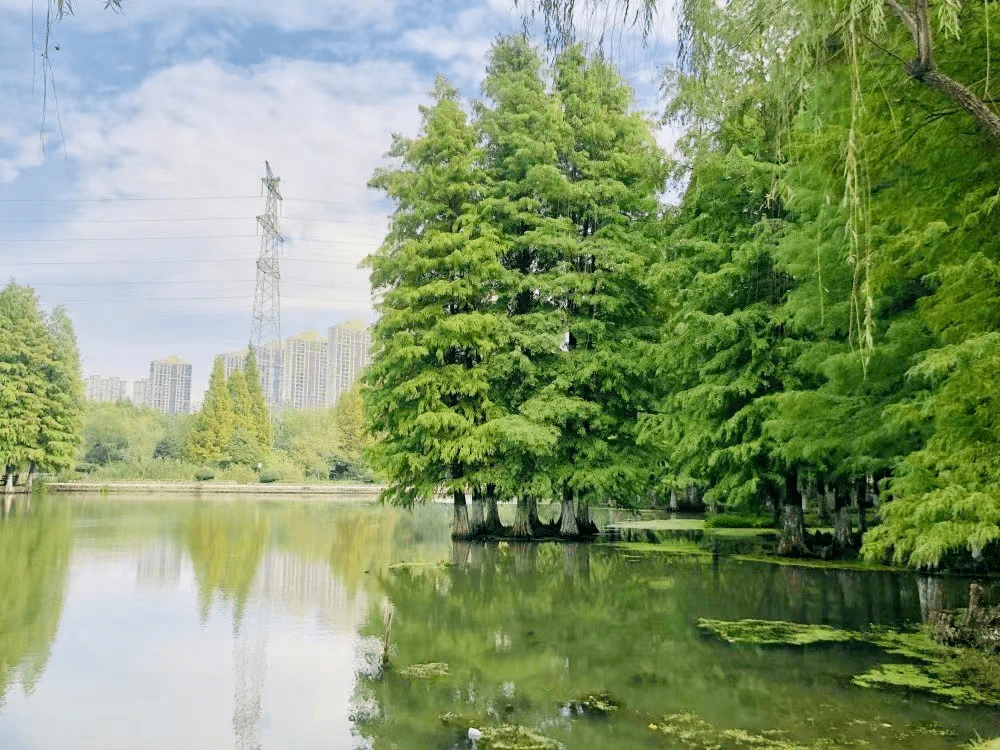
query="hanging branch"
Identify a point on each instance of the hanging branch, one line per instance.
(922, 69)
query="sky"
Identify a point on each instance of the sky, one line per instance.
(129, 189)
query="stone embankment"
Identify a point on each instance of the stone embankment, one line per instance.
(330, 491)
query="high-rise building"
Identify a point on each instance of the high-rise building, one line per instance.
(350, 347)
(268, 364)
(304, 371)
(140, 392)
(109, 390)
(169, 388)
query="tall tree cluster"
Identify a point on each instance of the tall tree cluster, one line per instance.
(41, 387)
(831, 271)
(515, 317)
(233, 425)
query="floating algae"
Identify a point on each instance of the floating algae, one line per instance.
(960, 675)
(918, 677)
(426, 671)
(776, 632)
(513, 737)
(593, 704)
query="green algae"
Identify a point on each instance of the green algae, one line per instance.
(666, 548)
(513, 737)
(959, 675)
(426, 671)
(799, 562)
(662, 524)
(776, 632)
(697, 734)
(919, 678)
(688, 730)
(594, 704)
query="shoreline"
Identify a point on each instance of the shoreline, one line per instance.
(214, 488)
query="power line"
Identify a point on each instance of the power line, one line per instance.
(133, 198)
(127, 239)
(331, 261)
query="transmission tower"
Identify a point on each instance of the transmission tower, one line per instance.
(266, 323)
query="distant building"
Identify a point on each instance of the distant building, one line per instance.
(304, 371)
(350, 346)
(268, 364)
(169, 387)
(108, 390)
(140, 392)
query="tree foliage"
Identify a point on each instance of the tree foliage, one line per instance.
(41, 386)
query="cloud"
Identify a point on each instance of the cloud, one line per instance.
(203, 130)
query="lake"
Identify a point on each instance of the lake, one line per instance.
(129, 623)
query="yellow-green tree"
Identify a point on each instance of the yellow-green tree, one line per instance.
(213, 427)
(261, 421)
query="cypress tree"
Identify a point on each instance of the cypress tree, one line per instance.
(437, 273)
(213, 427)
(261, 416)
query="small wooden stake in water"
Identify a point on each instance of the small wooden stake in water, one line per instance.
(385, 640)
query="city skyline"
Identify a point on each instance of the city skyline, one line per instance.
(351, 340)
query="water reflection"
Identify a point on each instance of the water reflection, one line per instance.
(34, 563)
(526, 629)
(260, 625)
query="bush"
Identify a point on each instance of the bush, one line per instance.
(204, 474)
(269, 475)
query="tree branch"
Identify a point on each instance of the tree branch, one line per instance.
(921, 68)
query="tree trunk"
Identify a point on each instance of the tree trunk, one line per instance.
(492, 524)
(476, 522)
(583, 520)
(31, 476)
(9, 479)
(537, 527)
(461, 529)
(673, 500)
(824, 502)
(522, 525)
(567, 519)
(793, 531)
(930, 591)
(842, 531)
(863, 492)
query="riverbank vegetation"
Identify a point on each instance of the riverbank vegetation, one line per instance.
(807, 335)
(243, 444)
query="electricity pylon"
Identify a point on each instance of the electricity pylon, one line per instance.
(266, 323)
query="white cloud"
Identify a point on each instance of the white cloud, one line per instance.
(204, 129)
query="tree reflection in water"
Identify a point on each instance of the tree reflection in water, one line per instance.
(35, 546)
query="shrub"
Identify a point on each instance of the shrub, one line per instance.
(269, 475)
(204, 474)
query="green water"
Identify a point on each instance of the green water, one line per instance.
(127, 623)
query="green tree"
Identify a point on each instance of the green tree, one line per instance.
(260, 414)
(350, 411)
(61, 419)
(23, 351)
(213, 427)
(437, 274)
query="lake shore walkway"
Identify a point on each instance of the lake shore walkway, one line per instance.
(339, 491)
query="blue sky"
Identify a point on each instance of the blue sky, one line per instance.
(139, 214)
